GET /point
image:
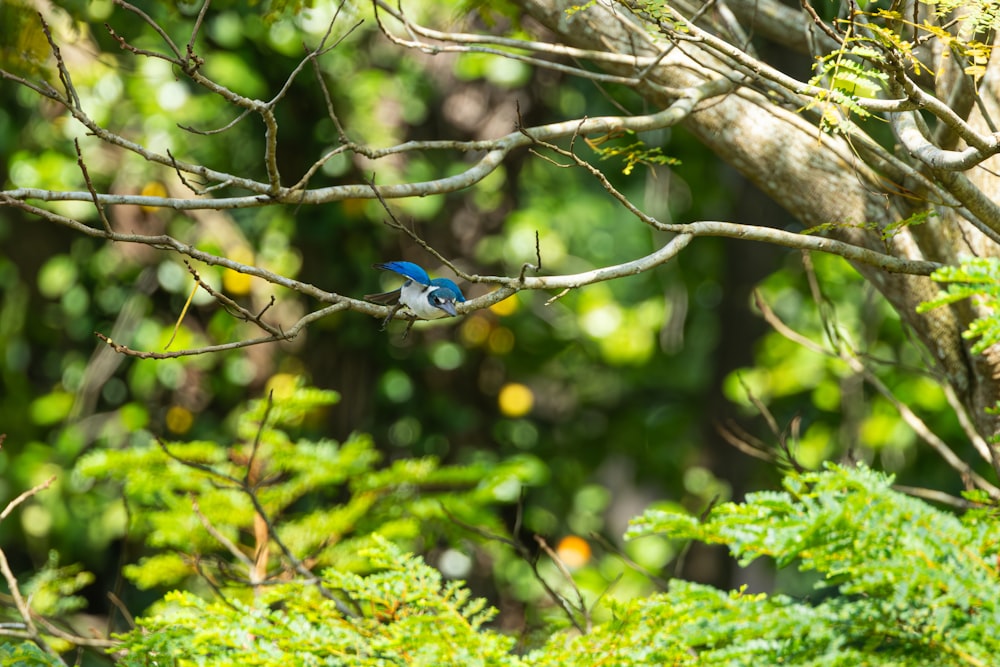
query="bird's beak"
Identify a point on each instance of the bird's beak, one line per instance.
(449, 308)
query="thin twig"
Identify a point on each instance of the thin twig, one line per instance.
(921, 429)
(531, 559)
(291, 333)
(12, 584)
(12, 505)
(581, 606)
(255, 447)
(219, 130)
(220, 538)
(72, 98)
(976, 438)
(90, 187)
(183, 179)
(742, 443)
(780, 434)
(608, 546)
(396, 224)
(231, 306)
(936, 496)
(196, 28)
(73, 638)
(152, 24)
(119, 604)
(682, 556)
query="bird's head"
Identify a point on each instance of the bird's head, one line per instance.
(445, 295)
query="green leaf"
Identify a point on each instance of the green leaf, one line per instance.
(977, 279)
(26, 654)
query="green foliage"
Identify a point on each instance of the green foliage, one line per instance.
(633, 153)
(26, 654)
(658, 11)
(856, 69)
(597, 362)
(23, 46)
(901, 583)
(573, 9)
(304, 547)
(53, 589)
(976, 16)
(885, 232)
(978, 279)
(850, 71)
(200, 501)
(873, 48)
(402, 613)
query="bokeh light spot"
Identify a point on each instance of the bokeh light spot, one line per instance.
(454, 564)
(172, 95)
(179, 419)
(602, 321)
(57, 276)
(51, 408)
(235, 282)
(283, 385)
(501, 341)
(515, 399)
(506, 307)
(397, 386)
(153, 189)
(573, 551)
(240, 370)
(36, 520)
(447, 356)
(475, 330)
(404, 432)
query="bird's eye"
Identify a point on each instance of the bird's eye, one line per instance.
(407, 283)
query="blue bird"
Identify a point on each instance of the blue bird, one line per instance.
(427, 298)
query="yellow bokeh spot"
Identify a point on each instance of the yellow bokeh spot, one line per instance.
(501, 341)
(153, 189)
(506, 307)
(573, 551)
(283, 385)
(475, 330)
(235, 282)
(179, 420)
(515, 399)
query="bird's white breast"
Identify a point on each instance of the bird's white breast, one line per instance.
(413, 295)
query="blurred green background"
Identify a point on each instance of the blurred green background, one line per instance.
(619, 388)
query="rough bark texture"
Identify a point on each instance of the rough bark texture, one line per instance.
(817, 177)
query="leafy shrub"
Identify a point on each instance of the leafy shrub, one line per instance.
(295, 552)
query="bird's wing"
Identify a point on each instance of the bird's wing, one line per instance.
(407, 269)
(384, 298)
